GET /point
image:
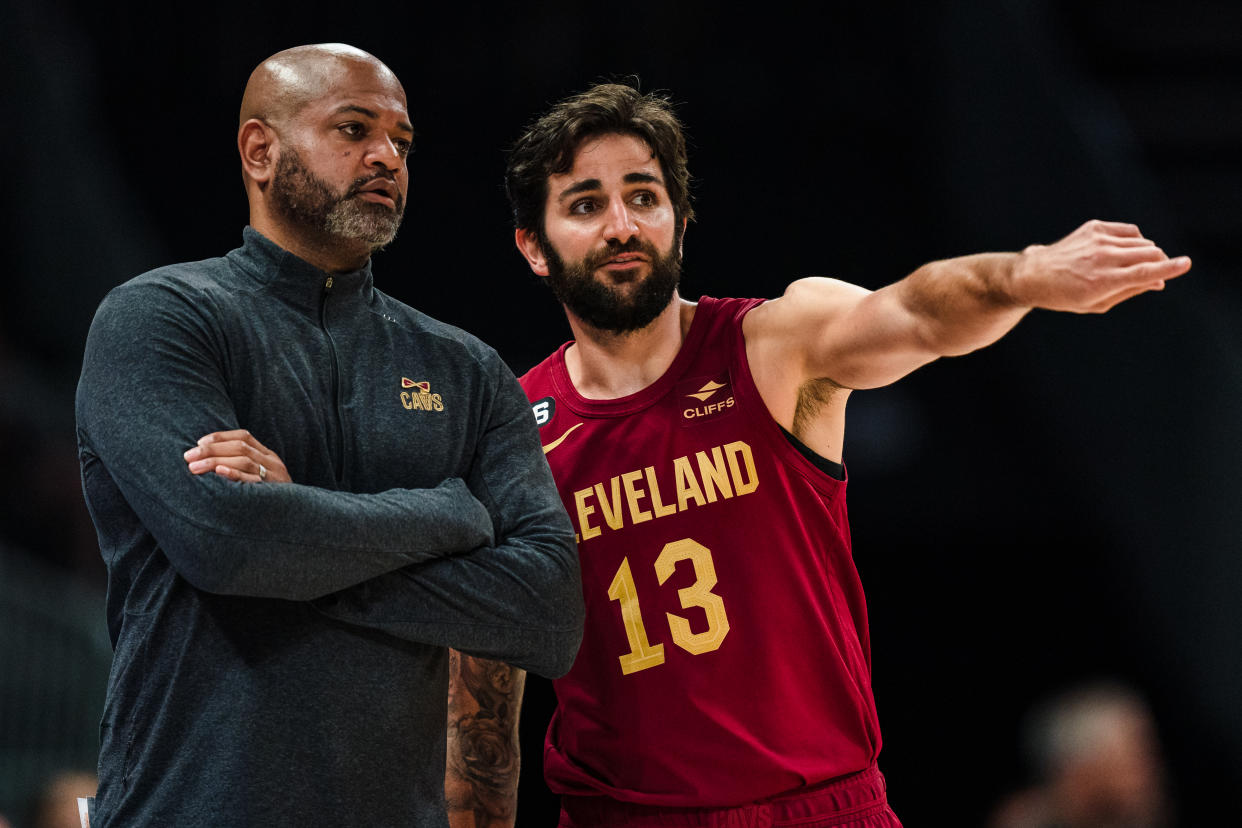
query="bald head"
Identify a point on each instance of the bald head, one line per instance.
(323, 139)
(281, 86)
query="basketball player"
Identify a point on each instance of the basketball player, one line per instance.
(305, 493)
(724, 677)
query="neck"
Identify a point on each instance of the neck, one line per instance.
(329, 254)
(604, 365)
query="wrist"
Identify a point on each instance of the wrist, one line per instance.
(1018, 277)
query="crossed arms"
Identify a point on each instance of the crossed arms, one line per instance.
(488, 568)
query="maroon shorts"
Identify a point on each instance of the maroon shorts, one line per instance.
(854, 801)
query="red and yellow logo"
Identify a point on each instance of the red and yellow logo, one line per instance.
(420, 399)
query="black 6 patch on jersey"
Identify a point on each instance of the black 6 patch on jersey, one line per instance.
(543, 410)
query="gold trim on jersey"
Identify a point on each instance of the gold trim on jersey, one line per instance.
(561, 439)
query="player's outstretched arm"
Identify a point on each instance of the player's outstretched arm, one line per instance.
(481, 774)
(823, 328)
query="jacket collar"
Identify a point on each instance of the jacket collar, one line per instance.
(294, 279)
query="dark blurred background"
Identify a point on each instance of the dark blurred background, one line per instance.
(1059, 508)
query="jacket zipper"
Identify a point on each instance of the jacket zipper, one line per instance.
(337, 444)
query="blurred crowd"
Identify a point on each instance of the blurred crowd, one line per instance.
(1095, 762)
(55, 805)
(43, 516)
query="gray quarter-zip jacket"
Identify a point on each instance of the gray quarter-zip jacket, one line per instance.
(280, 650)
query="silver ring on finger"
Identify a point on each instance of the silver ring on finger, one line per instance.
(262, 473)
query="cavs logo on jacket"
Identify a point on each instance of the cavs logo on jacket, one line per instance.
(419, 397)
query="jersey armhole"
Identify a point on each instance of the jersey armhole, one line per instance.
(827, 475)
(831, 468)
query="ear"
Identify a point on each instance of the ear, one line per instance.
(681, 241)
(528, 245)
(258, 144)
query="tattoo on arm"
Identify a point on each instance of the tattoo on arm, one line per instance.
(481, 779)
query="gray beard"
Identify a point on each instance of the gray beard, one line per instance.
(307, 201)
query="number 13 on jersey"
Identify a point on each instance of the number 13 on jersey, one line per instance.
(643, 654)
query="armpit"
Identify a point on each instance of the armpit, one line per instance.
(813, 396)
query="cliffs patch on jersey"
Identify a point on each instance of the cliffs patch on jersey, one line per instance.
(705, 398)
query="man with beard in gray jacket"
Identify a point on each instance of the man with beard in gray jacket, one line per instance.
(306, 492)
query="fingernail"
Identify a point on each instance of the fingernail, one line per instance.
(199, 465)
(204, 440)
(192, 453)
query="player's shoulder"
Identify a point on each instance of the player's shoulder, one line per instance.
(539, 380)
(543, 369)
(720, 318)
(814, 294)
(541, 388)
(806, 305)
(729, 308)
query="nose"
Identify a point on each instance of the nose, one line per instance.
(619, 224)
(383, 152)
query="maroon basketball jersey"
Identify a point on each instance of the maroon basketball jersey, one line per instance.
(726, 655)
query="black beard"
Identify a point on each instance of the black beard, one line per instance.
(605, 307)
(307, 201)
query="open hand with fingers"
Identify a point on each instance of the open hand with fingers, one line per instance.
(238, 456)
(1098, 266)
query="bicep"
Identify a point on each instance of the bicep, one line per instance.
(828, 329)
(151, 385)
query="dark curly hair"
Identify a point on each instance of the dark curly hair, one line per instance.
(548, 145)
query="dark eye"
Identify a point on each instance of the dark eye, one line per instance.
(353, 129)
(644, 198)
(583, 206)
(403, 147)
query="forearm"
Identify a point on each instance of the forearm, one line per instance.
(970, 302)
(484, 761)
(300, 542)
(959, 305)
(519, 601)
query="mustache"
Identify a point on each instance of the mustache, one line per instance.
(635, 245)
(359, 183)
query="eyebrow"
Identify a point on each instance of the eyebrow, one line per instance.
(589, 184)
(579, 187)
(373, 115)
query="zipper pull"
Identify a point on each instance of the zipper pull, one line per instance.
(328, 284)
